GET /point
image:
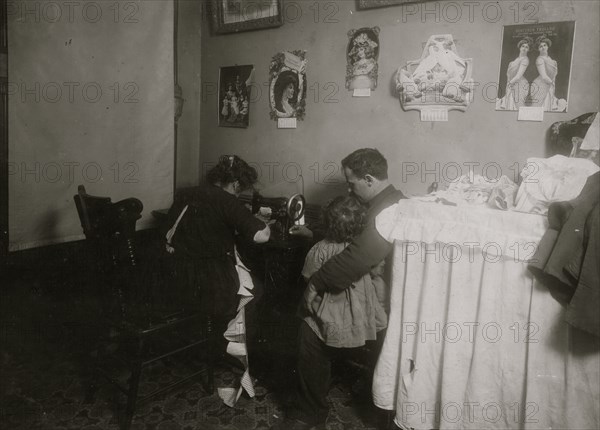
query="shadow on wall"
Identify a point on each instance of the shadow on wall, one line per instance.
(46, 228)
(319, 194)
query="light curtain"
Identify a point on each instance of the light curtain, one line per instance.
(90, 102)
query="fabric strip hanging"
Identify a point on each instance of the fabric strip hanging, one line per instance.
(236, 335)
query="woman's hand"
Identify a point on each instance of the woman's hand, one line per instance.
(266, 219)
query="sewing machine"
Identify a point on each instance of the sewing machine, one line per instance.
(285, 211)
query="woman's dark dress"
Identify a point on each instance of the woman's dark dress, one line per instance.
(204, 248)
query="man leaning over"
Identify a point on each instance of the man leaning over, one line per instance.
(366, 173)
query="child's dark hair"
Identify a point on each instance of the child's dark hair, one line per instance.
(343, 218)
(231, 168)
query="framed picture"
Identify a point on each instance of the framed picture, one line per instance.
(370, 4)
(233, 16)
(441, 80)
(361, 58)
(287, 86)
(234, 94)
(535, 66)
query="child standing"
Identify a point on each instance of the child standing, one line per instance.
(345, 319)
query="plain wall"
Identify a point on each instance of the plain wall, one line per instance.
(189, 65)
(336, 123)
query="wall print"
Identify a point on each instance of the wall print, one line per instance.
(370, 4)
(233, 16)
(362, 54)
(535, 66)
(439, 80)
(234, 93)
(288, 85)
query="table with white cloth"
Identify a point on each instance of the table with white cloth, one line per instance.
(473, 341)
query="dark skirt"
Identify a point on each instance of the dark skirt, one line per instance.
(209, 285)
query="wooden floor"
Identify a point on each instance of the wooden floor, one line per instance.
(47, 307)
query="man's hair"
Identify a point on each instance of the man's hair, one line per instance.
(343, 218)
(367, 161)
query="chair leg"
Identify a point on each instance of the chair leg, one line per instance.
(134, 383)
(92, 368)
(210, 384)
(93, 377)
(209, 387)
(386, 420)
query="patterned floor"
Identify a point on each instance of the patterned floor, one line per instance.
(45, 348)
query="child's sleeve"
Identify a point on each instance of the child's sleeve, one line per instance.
(313, 261)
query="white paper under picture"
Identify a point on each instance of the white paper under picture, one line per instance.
(287, 87)
(361, 61)
(438, 82)
(535, 67)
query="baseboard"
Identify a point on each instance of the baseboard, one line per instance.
(58, 257)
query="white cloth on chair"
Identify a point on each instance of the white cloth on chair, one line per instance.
(172, 231)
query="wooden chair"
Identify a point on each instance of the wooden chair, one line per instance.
(137, 329)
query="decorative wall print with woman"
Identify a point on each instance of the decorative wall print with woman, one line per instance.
(439, 81)
(543, 88)
(288, 85)
(234, 96)
(285, 92)
(517, 86)
(536, 78)
(362, 54)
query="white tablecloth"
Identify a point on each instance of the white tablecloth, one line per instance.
(473, 342)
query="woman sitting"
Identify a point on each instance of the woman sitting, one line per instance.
(205, 226)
